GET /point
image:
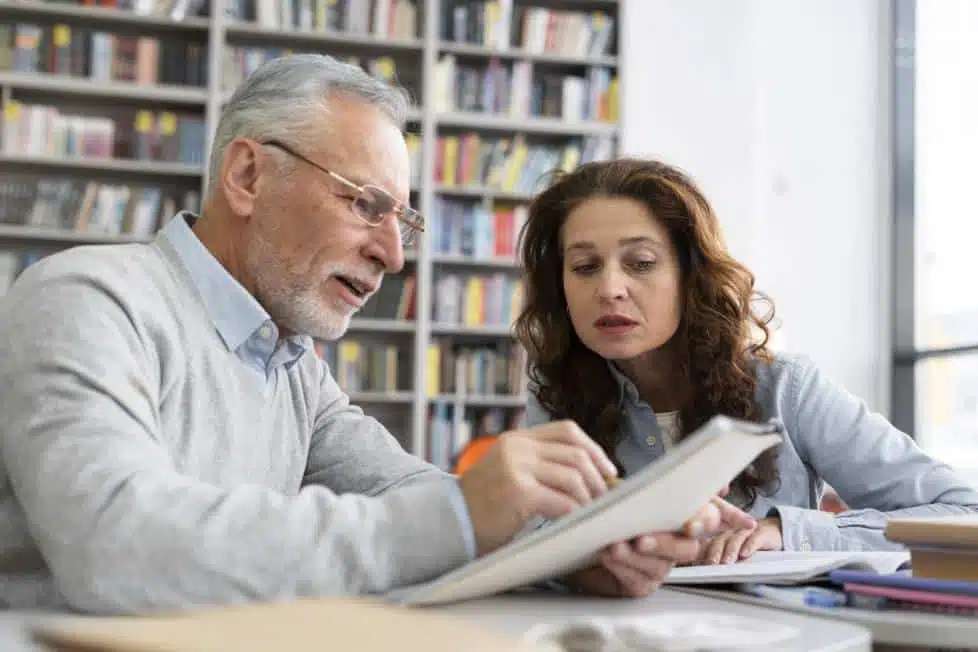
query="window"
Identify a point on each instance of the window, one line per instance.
(935, 385)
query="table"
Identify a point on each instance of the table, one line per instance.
(514, 614)
(903, 629)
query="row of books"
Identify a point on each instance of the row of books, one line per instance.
(359, 367)
(498, 24)
(386, 18)
(510, 164)
(241, 61)
(90, 207)
(450, 429)
(477, 299)
(65, 50)
(476, 229)
(44, 131)
(167, 136)
(513, 90)
(395, 299)
(483, 370)
(175, 9)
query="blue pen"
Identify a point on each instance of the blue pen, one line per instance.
(805, 596)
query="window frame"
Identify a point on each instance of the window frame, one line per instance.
(906, 354)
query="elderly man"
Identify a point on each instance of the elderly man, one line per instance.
(170, 439)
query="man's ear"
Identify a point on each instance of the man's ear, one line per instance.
(241, 172)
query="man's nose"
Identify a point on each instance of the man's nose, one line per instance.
(385, 246)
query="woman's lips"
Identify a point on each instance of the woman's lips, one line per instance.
(615, 324)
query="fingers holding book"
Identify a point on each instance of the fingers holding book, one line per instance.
(544, 471)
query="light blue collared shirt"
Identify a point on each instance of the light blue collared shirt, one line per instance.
(246, 328)
(830, 436)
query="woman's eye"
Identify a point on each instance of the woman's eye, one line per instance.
(643, 265)
(584, 268)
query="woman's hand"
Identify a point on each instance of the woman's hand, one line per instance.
(734, 545)
(636, 568)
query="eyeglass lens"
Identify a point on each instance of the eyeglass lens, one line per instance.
(372, 204)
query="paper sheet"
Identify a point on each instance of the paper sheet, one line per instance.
(787, 567)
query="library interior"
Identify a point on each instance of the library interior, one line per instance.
(262, 421)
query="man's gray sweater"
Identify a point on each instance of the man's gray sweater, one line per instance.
(144, 466)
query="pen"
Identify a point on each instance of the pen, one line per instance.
(806, 596)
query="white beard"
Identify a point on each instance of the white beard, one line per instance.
(296, 301)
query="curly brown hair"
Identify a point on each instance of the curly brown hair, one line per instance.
(720, 335)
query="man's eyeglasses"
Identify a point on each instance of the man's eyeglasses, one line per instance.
(370, 203)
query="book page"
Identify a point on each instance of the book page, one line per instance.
(782, 567)
(660, 498)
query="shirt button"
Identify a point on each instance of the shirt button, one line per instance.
(650, 440)
(265, 331)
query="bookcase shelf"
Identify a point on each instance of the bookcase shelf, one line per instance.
(473, 50)
(471, 331)
(82, 87)
(382, 325)
(417, 65)
(482, 400)
(460, 260)
(529, 125)
(35, 234)
(481, 191)
(382, 397)
(106, 16)
(115, 165)
(240, 30)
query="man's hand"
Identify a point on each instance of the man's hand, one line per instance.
(734, 545)
(547, 470)
(636, 568)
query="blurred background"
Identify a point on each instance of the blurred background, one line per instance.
(835, 138)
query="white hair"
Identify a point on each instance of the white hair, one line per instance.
(285, 98)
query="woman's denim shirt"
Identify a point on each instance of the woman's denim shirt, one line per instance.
(830, 436)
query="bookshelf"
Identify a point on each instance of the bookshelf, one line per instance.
(225, 33)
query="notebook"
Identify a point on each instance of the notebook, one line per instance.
(913, 595)
(769, 567)
(959, 530)
(905, 581)
(943, 547)
(659, 498)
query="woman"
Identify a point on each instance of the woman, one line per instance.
(640, 326)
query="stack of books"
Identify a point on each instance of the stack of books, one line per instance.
(944, 579)
(942, 547)
(903, 591)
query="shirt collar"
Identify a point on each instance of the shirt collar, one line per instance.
(235, 313)
(626, 388)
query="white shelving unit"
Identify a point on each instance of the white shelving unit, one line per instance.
(220, 32)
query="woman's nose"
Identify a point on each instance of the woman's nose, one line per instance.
(611, 286)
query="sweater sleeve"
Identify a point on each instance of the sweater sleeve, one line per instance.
(122, 529)
(878, 470)
(351, 452)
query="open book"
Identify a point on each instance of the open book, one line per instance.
(769, 567)
(659, 498)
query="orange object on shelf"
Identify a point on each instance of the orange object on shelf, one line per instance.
(473, 452)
